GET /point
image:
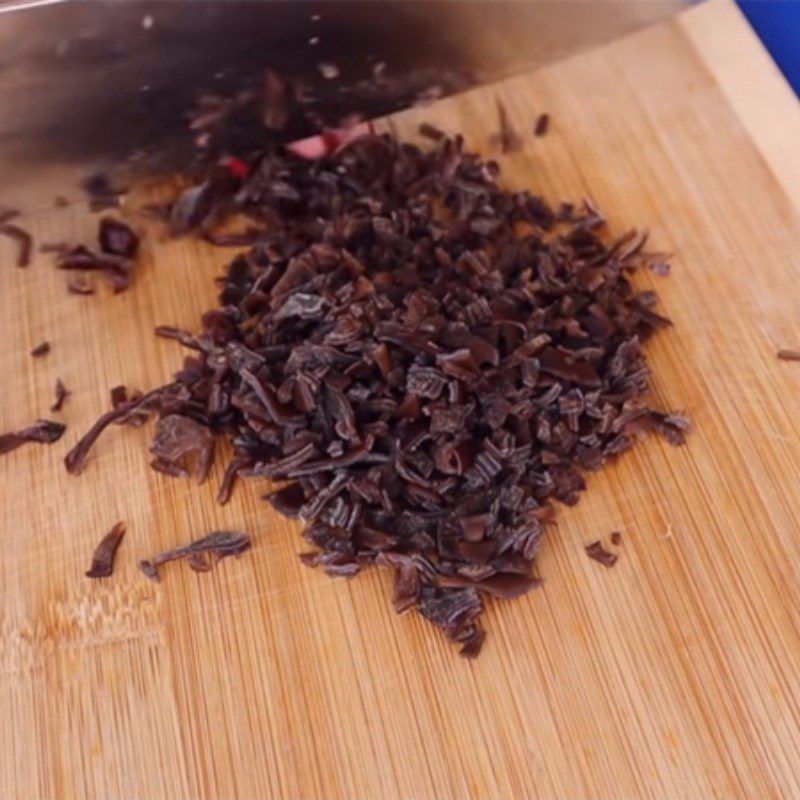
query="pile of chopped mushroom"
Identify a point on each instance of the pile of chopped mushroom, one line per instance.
(419, 359)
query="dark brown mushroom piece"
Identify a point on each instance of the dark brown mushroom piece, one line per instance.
(214, 546)
(41, 349)
(541, 125)
(596, 551)
(106, 551)
(43, 431)
(23, 240)
(60, 394)
(182, 447)
(118, 238)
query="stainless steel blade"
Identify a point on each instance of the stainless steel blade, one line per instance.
(89, 82)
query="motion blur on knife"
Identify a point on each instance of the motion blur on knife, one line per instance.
(87, 85)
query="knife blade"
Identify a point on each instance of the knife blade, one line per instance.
(83, 84)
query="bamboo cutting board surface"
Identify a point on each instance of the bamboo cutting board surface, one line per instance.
(676, 674)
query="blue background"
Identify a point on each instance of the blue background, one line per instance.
(777, 22)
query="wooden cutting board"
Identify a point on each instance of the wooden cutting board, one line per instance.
(675, 674)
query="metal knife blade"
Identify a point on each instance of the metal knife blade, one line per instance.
(83, 83)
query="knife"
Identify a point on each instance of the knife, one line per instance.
(84, 84)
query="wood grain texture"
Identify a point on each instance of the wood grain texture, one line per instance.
(676, 674)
